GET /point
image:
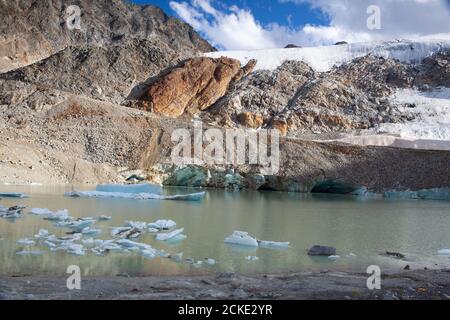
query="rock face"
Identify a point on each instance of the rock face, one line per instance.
(297, 101)
(27, 37)
(192, 86)
(118, 47)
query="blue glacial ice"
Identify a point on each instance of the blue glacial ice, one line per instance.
(13, 195)
(135, 196)
(425, 194)
(130, 188)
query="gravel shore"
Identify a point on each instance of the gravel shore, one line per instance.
(407, 285)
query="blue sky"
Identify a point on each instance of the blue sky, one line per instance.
(263, 24)
(265, 11)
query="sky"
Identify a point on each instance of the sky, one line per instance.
(264, 24)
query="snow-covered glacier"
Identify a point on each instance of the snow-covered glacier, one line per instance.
(325, 57)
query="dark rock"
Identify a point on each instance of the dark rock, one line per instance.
(135, 177)
(395, 255)
(322, 251)
(340, 43)
(292, 46)
(407, 268)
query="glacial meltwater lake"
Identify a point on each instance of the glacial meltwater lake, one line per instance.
(360, 229)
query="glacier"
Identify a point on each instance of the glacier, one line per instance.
(324, 58)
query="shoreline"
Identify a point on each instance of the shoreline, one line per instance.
(405, 285)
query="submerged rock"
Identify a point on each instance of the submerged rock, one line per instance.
(322, 251)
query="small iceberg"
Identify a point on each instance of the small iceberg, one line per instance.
(174, 235)
(50, 215)
(162, 225)
(244, 239)
(444, 252)
(11, 213)
(104, 218)
(210, 261)
(126, 232)
(136, 225)
(79, 224)
(334, 257)
(13, 195)
(26, 242)
(130, 188)
(241, 238)
(273, 244)
(135, 196)
(252, 258)
(29, 253)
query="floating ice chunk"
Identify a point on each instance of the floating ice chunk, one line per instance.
(273, 244)
(26, 242)
(136, 224)
(76, 224)
(13, 195)
(241, 238)
(163, 225)
(90, 231)
(351, 255)
(60, 215)
(210, 261)
(130, 244)
(444, 252)
(170, 235)
(40, 211)
(31, 253)
(126, 232)
(88, 242)
(334, 258)
(104, 218)
(149, 254)
(135, 196)
(153, 230)
(130, 188)
(176, 257)
(252, 258)
(76, 249)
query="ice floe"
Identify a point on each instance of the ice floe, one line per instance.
(244, 239)
(130, 188)
(78, 224)
(135, 196)
(12, 212)
(13, 195)
(50, 215)
(29, 253)
(126, 232)
(104, 218)
(444, 252)
(26, 242)
(241, 238)
(273, 244)
(174, 235)
(252, 258)
(162, 225)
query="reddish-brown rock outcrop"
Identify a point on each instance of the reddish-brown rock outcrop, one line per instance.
(193, 86)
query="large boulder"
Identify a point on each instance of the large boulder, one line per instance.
(193, 86)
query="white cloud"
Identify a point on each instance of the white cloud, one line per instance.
(235, 28)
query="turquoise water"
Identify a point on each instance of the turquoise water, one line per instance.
(363, 227)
